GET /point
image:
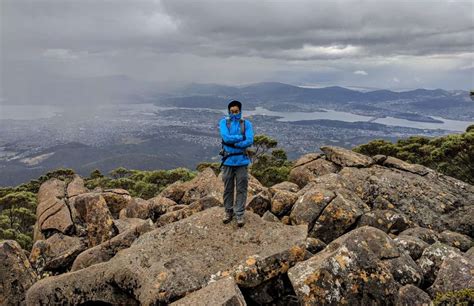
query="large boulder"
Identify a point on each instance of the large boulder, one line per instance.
(16, 273)
(76, 187)
(116, 199)
(338, 216)
(52, 212)
(387, 220)
(362, 267)
(413, 246)
(165, 264)
(455, 273)
(432, 258)
(106, 250)
(412, 295)
(307, 168)
(137, 208)
(56, 253)
(187, 210)
(96, 217)
(309, 206)
(430, 201)
(393, 162)
(204, 184)
(259, 203)
(223, 292)
(282, 202)
(345, 157)
(174, 191)
(160, 205)
(126, 224)
(457, 240)
(427, 235)
(288, 186)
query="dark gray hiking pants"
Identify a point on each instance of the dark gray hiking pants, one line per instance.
(235, 176)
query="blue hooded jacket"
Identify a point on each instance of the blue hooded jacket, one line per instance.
(234, 136)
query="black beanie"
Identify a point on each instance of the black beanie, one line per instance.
(235, 103)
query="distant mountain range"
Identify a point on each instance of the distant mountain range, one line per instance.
(415, 105)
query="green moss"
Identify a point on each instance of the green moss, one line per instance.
(459, 297)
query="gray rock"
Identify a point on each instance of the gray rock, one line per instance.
(410, 295)
(314, 245)
(411, 245)
(268, 216)
(204, 184)
(338, 216)
(174, 191)
(431, 201)
(470, 254)
(302, 175)
(307, 158)
(106, 250)
(116, 199)
(259, 203)
(160, 205)
(288, 186)
(427, 235)
(355, 269)
(126, 224)
(379, 158)
(56, 253)
(457, 240)
(309, 206)
(137, 208)
(76, 186)
(100, 224)
(52, 212)
(432, 258)
(345, 157)
(393, 162)
(165, 264)
(222, 292)
(387, 220)
(455, 273)
(188, 210)
(16, 273)
(282, 202)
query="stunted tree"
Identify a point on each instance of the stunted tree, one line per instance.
(120, 172)
(96, 174)
(270, 165)
(17, 217)
(261, 145)
(452, 154)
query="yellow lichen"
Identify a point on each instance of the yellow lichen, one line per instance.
(250, 261)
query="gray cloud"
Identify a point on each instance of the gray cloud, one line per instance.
(422, 43)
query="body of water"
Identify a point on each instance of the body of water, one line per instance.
(29, 112)
(452, 125)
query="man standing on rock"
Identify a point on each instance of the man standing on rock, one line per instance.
(237, 136)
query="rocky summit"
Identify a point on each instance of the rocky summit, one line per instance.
(346, 229)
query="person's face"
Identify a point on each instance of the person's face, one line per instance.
(234, 110)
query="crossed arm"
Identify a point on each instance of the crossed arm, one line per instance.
(237, 140)
(228, 138)
(248, 141)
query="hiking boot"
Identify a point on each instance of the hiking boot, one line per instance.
(228, 217)
(240, 221)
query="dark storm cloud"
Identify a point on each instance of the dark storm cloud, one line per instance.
(239, 41)
(281, 28)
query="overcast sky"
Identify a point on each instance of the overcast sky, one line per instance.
(383, 44)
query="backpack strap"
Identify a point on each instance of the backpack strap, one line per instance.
(242, 125)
